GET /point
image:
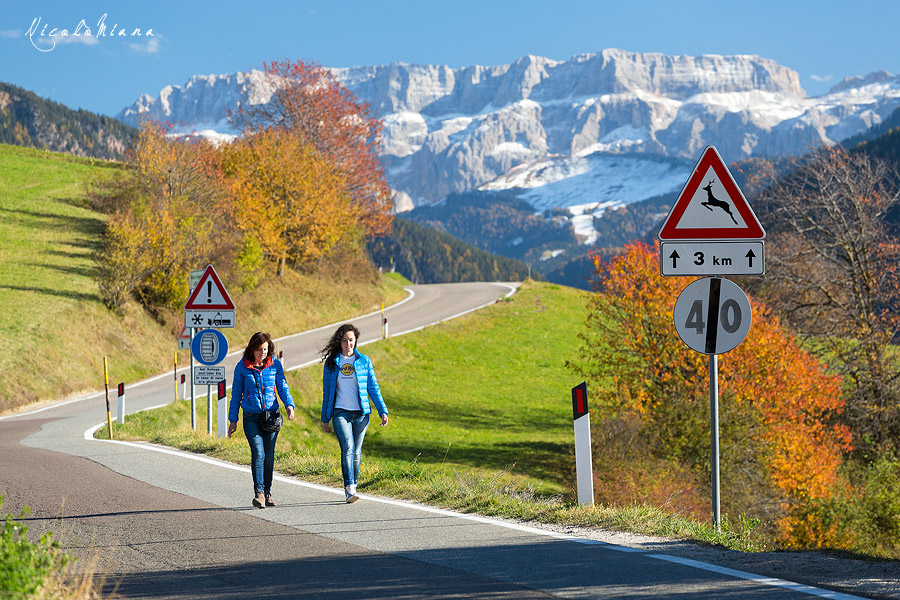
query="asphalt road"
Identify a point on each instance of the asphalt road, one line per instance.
(159, 523)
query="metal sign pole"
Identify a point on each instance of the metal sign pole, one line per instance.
(193, 405)
(714, 437)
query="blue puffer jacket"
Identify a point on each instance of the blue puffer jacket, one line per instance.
(246, 385)
(368, 386)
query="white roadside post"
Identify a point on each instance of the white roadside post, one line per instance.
(584, 471)
(121, 408)
(223, 411)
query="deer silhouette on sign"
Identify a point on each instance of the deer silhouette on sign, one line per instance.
(713, 201)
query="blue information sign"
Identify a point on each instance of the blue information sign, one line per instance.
(209, 347)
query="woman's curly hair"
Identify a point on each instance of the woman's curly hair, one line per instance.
(333, 347)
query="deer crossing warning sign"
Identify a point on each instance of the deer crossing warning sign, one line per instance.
(711, 207)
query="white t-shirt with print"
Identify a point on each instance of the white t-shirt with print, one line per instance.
(347, 386)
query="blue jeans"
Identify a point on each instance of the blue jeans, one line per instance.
(350, 427)
(262, 452)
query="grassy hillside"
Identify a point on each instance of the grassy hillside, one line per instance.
(53, 327)
(489, 390)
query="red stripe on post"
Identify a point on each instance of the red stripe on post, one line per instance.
(580, 399)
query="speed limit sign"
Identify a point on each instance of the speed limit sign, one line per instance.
(712, 315)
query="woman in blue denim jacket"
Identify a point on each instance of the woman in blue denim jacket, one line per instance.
(256, 378)
(348, 386)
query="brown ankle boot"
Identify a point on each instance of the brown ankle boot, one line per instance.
(260, 500)
(269, 500)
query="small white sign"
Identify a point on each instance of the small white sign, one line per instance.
(204, 375)
(712, 258)
(184, 339)
(202, 319)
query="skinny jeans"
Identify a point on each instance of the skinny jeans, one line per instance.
(262, 452)
(350, 427)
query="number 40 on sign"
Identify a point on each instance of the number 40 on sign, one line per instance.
(712, 315)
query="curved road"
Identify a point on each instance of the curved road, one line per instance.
(161, 523)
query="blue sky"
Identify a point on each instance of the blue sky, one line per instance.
(823, 41)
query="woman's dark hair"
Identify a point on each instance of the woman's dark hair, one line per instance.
(333, 347)
(256, 340)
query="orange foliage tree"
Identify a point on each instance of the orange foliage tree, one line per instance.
(780, 448)
(166, 218)
(310, 104)
(287, 197)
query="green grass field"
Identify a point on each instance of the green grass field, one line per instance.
(488, 390)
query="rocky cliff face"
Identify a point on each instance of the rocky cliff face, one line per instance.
(450, 130)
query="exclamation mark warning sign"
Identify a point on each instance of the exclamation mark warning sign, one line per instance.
(209, 294)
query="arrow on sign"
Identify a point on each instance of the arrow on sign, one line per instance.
(674, 256)
(750, 257)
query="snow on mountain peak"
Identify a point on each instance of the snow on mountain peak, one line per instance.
(575, 129)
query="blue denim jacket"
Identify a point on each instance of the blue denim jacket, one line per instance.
(368, 387)
(245, 388)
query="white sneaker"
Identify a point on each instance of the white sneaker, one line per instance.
(350, 493)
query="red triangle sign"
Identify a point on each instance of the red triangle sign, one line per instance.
(711, 206)
(209, 294)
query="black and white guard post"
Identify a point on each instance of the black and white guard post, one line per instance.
(120, 418)
(584, 471)
(223, 411)
(711, 230)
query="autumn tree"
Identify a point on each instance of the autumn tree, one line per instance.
(780, 448)
(310, 104)
(287, 197)
(833, 252)
(165, 219)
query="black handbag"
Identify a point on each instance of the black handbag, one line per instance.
(269, 420)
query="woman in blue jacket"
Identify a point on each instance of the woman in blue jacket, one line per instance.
(348, 388)
(256, 378)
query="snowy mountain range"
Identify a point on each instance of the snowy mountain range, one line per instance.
(589, 133)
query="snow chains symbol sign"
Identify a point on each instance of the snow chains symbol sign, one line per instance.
(209, 347)
(712, 315)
